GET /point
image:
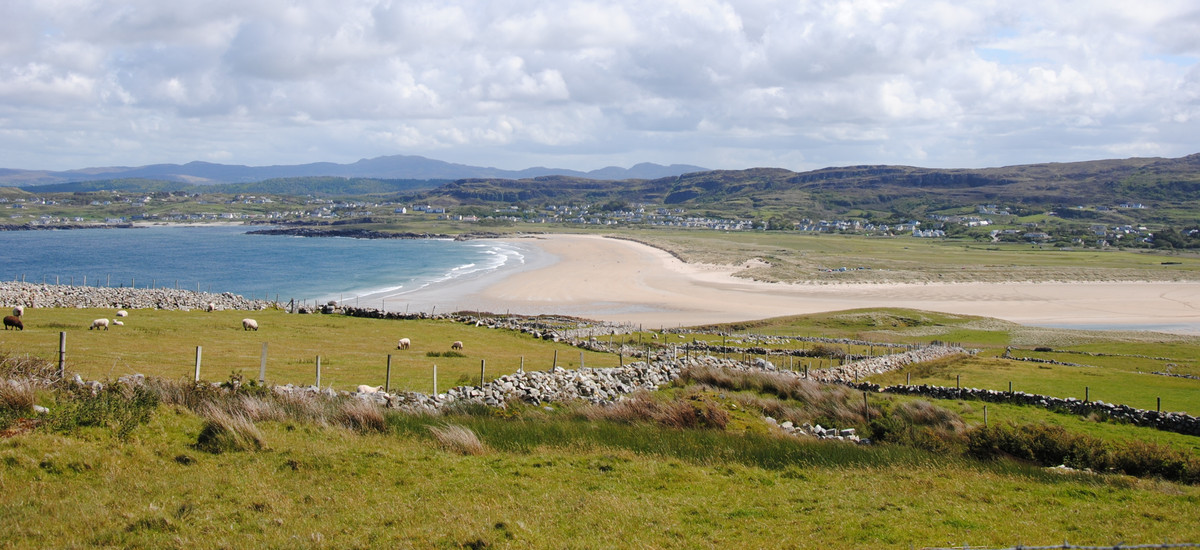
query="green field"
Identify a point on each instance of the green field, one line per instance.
(570, 475)
(353, 350)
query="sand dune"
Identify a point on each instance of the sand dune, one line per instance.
(617, 280)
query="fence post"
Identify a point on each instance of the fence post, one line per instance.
(908, 379)
(482, 362)
(985, 416)
(62, 355)
(1087, 394)
(581, 359)
(522, 367)
(957, 381)
(318, 372)
(197, 378)
(554, 363)
(1010, 386)
(387, 379)
(435, 379)
(262, 365)
(1157, 407)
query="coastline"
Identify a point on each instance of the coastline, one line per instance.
(625, 281)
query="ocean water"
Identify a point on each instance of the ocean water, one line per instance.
(228, 259)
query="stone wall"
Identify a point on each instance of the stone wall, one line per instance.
(34, 295)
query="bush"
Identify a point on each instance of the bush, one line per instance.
(118, 407)
(443, 354)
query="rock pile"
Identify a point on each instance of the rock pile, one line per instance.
(39, 295)
(817, 431)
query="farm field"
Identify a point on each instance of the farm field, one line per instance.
(353, 350)
(329, 474)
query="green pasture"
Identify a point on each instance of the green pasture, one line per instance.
(626, 485)
(353, 350)
(1108, 384)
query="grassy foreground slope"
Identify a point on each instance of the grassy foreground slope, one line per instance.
(331, 487)
(149, 472)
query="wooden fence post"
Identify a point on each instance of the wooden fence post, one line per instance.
(985, 416)
(554, 363)
(1087, 394)
(197, 378)
(318, 372)
(262, 365)
(62, 355)
(387, 379)
(482, 362)
(435, 379)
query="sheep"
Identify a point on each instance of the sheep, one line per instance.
(13, 321)
(456, 345)
(118, 323)
(98, 324)
(249, 324)
(403, 343)
(363, 388)
(211, 307)
(18, 311)
(122, 313)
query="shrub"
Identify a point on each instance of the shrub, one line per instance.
(457, 439)
(118, 407)
(443, 354)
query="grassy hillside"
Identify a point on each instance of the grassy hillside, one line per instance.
(693, 465)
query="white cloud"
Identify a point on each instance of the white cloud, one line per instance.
(584, 84)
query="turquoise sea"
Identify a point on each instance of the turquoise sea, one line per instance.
(228, 259)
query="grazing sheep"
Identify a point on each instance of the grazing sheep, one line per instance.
(122, 313)
(403, 343)
(98, 324)
(211, 307)
(18, 311)
(249, 324)
(118, 323)
(456, 345)
(363, 388)
(13, 321)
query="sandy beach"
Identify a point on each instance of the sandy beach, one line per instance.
(623, 281)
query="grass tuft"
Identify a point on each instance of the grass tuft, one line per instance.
(457, 439)
(228, 432)
(362, 416)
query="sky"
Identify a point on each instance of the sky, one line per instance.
(579, 84)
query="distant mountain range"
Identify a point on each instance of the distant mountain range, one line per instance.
(398, 167)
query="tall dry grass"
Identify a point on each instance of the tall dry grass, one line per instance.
(457, 439)
(682, 412)
(228, 432)
(820, 402)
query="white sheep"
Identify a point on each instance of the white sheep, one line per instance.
(122, 313)
(249, 324)
(118, 323)
(404, 343)
(99, 324)
(18, 311)
(456, 345)
(211, 307)
(363, 388)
